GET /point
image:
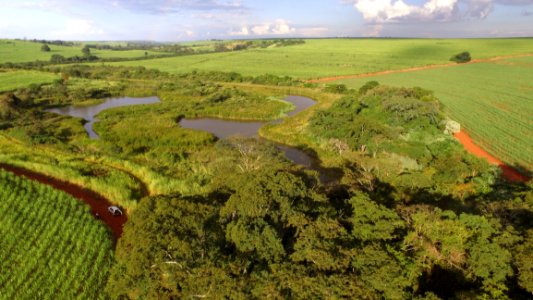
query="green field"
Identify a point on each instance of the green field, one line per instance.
(492, 101)
(51, 247)
(11, 80)
(330, 57)
(16, 51)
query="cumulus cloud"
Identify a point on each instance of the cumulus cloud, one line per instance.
(396, 11)
(278, 27)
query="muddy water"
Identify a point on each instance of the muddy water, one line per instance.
(224, 128)
(88, 113)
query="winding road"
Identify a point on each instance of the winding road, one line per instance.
(98, 203)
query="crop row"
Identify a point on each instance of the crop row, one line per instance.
(51, 247)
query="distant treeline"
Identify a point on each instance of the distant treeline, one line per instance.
(55, 42)
(166, 50)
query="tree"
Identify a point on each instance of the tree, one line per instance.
(86, 51)
(45, 48)
(263, 214)
(373, 222)
(524, 262)
(56, 58)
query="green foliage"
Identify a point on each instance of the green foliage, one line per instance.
(86, 51)
(398, 131)
(262, 211)
(336, 88)
(52, 247)
(524, 263)
(45, 48)
(382, 271)
(467, 243)
(368, 86)
(462, 57)
(373, 222)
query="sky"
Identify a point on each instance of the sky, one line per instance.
(185, 20)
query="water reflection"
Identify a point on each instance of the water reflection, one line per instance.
(88, 113)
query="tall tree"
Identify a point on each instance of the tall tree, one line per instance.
(45, 48)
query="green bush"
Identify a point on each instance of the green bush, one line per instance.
(462, 57)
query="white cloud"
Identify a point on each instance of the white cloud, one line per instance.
(395, 11)
(261, 29)
(279, 27)
(383, 11)
(78, 28)
(282, 27)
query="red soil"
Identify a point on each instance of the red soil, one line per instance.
(474, 61)
(508, 172)
(97, 203)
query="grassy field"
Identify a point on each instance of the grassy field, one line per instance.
(11, 80)
(22, 51)
(48, 240)
(493, 102)
(329, 57)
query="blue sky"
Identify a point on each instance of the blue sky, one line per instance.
(181, 20)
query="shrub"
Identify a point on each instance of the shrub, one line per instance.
(462, 57)
(336, 88)
(368, 86)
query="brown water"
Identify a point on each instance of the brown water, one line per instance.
(88, 113)
(224, 128)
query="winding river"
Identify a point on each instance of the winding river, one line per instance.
(224, 128)
(218, 127)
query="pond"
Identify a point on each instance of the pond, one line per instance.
(224, 128)
(89, 112)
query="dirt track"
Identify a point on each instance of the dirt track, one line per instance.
(97, 203)
(508, 172)
(452, 64)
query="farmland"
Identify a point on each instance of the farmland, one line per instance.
(48, 240)
(493, 101)
(330, 57)
(16, 51)
(10, 80)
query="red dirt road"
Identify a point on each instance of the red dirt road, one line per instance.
(97, 203)
(452, 64)
(508, 172)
